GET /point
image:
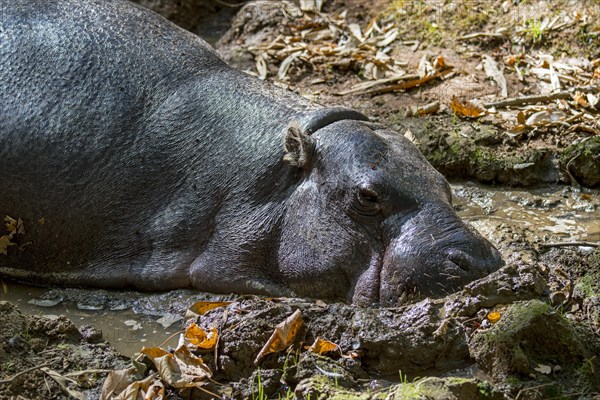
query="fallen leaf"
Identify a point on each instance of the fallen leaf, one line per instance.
(63, 383)
(199, 338)
(592, 100)
(14, 226)
(355, 31)
(286, 64)
(261, 66)
(466, 109)
(491, 70)
(542, 118)
(181, 369)
(150, 388)
(389, 38)
(5, 243)
(283, 336)
(154, 352)
(410, 136)
(321, 346)
(543, 369)
(581, 99)
(311, 5)
(554, 80)
(116, 382)
(493, 317)
(202, 307)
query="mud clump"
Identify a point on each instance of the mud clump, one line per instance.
(582, 162)
(321, 387)
(533, 340)
(37, 352)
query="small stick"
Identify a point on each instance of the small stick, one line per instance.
(584, 128)
(482, 34)
(23, 373)
(567, 244)
(89, 371)
(538, 98)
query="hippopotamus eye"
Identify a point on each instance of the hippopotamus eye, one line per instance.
(367, 201)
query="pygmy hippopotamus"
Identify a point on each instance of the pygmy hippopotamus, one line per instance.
(132, 156)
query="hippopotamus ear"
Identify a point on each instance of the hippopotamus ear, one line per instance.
(298, 146)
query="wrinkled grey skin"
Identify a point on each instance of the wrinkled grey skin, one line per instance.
(137, 158)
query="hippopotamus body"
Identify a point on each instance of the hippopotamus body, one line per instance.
(135, 157)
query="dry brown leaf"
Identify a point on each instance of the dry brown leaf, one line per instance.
(150, 388)
(439, 63)
(321, 346)
(581, 99)
(466, 109)
(199, 338)
(5, 243)
(521, 117)
(154, 352)
(181, 369)
(14, 226)
(283, 336)
(202, 307)
(116, 382)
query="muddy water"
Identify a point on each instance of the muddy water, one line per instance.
(550, 214)
(130, 320)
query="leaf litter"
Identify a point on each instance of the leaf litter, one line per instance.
(568, 87)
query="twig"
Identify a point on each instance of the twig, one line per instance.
(539, 98)
(89, 371)
(368, 85)
(216, 396)
(533, 388)
(482, 34)
(409, 84)
(584, 128)
(5, 381)
(567, 244)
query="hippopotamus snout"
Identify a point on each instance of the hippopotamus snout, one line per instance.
(434, 261)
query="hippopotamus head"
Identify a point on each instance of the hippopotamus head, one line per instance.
(372, 221)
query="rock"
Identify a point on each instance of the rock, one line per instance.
(321, 387)
(582, 161)
(528, 334)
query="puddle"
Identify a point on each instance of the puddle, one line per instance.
(553, 213)
(129, 320)
(126, 330)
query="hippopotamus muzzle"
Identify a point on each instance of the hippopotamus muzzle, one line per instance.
(435, 261)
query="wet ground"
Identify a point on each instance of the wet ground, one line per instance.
(130, 320)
